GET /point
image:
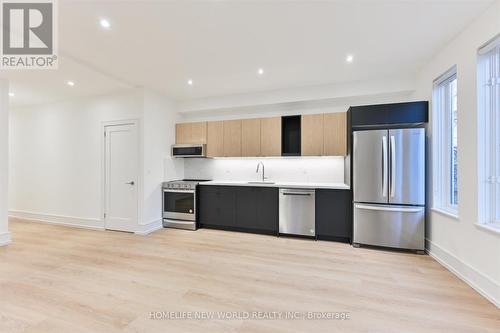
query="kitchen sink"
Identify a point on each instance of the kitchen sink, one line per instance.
(257, 182)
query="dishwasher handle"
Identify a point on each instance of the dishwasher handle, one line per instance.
(296, 193)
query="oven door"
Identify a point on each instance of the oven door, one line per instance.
(179, 205)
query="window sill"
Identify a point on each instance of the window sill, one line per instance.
(491, 227)
(445, 213)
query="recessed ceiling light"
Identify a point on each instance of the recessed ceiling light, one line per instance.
(105, 23)
(190, 82)
(260, 71)
(11, 94)
(70, 83)
(349, 58)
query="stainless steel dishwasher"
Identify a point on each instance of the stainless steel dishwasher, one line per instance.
(297, 212)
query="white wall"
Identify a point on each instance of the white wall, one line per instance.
(56, 152)
(4, 161)
(291, 169)
(291, 107)
(473, 253)
(55, 157)
(159, 135)
(336, 93)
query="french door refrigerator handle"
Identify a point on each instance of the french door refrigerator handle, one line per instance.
(385, 167)
(393, 165)
(389, 209)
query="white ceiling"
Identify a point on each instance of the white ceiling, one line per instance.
(221, 44)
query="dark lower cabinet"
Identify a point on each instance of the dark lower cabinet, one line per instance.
(239, 208)
(333, 221)
(257, 209)
(216, 206)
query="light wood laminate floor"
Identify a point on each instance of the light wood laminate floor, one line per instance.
(61, 279)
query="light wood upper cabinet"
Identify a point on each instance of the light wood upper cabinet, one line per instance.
(270, 136)
(311, 137)
(199, 132)
(250, 137)
(232, 138)
(215, 139)
(335, 134)
(187, 133)
(321, 135)
(182, 133)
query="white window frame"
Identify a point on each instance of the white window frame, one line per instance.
(442, 144)
(488, 85)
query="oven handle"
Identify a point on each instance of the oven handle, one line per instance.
(179, 221)
(179, 191)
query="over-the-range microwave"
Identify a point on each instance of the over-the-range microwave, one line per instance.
(189, 150)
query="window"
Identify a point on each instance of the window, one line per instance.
(489, 133)
(445, 141)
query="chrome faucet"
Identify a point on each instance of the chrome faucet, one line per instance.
(263, 170)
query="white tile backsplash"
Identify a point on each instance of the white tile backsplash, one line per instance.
(283, 169)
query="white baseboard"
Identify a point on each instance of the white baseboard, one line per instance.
(5, 238)
(78, 222)
(483, 284)
(145, 229)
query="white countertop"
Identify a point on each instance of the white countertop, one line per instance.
(333, 186)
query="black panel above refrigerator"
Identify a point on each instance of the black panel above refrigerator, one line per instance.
(389, 115)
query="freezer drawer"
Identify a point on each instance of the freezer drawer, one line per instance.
(390, 226)
(297, 212)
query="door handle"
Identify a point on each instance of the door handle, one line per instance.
(295, 193)
(131, 183)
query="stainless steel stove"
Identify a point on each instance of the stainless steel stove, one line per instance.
(186, 184)
(179, 204)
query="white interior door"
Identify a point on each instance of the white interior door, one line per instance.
(121, 174)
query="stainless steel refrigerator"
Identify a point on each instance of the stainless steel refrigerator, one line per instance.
(389, 188)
